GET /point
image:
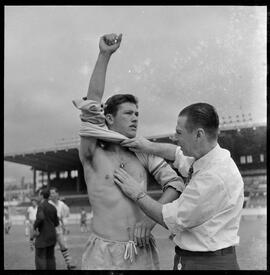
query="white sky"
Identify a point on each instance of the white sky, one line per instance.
(170, 57)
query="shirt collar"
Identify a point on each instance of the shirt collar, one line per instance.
(198, 164)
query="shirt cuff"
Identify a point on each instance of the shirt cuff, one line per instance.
(177, 185)
(88, 105)
(91, 111)
(169, 214)
(177, 154)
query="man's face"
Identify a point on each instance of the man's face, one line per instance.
(125, 121)
(40, 197)
(53, 195)
(184, 138)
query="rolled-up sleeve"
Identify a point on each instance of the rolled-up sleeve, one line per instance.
(198, 203)
(91, 111)
(182, 163)
(166, 176)
(161, 171)
(169, 211)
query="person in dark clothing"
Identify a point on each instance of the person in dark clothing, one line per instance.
(46, 221)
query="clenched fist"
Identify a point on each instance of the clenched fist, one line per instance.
(109, 43)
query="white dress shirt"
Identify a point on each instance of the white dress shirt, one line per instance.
(206, 216)
(32, 212)
(60, 207)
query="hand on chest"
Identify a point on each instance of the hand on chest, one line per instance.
(131, 164)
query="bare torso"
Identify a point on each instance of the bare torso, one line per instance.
(113, 213)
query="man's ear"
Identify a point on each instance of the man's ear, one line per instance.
(200, 133)
(109, 119)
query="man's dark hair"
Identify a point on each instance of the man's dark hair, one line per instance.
(202, 115)
(112, 103)
(45, 193)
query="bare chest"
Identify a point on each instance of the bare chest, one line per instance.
(106, 162)
(127, 161)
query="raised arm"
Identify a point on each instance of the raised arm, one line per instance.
(108, 44)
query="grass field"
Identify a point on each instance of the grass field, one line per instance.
(251, 252)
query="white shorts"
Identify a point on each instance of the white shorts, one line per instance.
(102, 253)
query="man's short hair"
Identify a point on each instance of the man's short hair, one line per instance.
(202, 115)
(45, 193)
(112, 103)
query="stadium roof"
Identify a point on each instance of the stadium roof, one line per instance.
(64, 156)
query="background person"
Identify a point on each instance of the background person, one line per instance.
(45, 223)
(205, 218)
(7, 221)
(83, 221)
(30, 216)
(66, 213)
(61, 208)
(26, 227)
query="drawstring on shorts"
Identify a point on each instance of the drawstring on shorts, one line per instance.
(130, 246)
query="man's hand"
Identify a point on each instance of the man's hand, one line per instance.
(142, 231)
(109, 43)
(35, 233)
(138, 144)
(129, 186)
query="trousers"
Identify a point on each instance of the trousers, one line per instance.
(223, 259)
(45, 258)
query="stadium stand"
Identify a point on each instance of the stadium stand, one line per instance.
(60, 166)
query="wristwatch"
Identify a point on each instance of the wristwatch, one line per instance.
(140, 195)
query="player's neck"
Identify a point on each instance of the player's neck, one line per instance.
(116, 148)
(55, 201)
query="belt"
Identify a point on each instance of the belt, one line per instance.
(223, 251)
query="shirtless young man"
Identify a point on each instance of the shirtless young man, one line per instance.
(118, 224)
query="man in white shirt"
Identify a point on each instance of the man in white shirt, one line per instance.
(66, 213)
(30, 217)
(205, 218)
(61, 208)
(7, 222)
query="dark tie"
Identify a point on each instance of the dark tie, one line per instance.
(190, 172)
